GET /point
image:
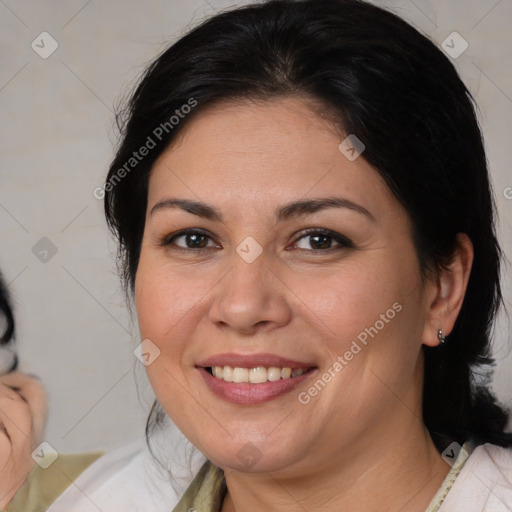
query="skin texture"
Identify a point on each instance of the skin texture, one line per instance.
(362, 435)
(23, 412)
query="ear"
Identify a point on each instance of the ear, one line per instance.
(446, 294)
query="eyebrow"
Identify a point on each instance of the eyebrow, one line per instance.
(293, 209)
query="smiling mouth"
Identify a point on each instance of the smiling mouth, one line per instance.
(256, 375)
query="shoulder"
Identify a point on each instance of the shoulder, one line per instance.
(484, 484)
(127, 478)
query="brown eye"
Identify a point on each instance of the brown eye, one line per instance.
(322, 240)
(191, 239)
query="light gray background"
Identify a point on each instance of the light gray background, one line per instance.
(56, 139)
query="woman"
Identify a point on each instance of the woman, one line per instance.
(306, 225)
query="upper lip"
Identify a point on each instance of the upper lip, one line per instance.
(252, 361)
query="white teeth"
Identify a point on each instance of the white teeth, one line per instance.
(240, 375)
(256, 375)
(274, 373)
(226, 374)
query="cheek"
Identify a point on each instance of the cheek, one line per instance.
(169, 306)
(346, 300)
(163, 300)
(371, 313)
(160, 307)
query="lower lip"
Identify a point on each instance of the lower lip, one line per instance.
(249, 394)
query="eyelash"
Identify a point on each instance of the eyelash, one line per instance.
(344, 242)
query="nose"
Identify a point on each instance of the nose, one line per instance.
(252, 297)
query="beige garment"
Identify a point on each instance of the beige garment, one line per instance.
(43, 486)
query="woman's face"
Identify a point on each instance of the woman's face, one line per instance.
(343, 303)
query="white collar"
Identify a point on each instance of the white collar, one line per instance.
(484, 483)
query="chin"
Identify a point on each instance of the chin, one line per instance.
(250, 456)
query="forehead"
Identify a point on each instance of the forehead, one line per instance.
(248, 153)
(241, 132)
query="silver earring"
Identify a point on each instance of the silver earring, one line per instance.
(442, 338)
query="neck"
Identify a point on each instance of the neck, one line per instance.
(401, 458)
